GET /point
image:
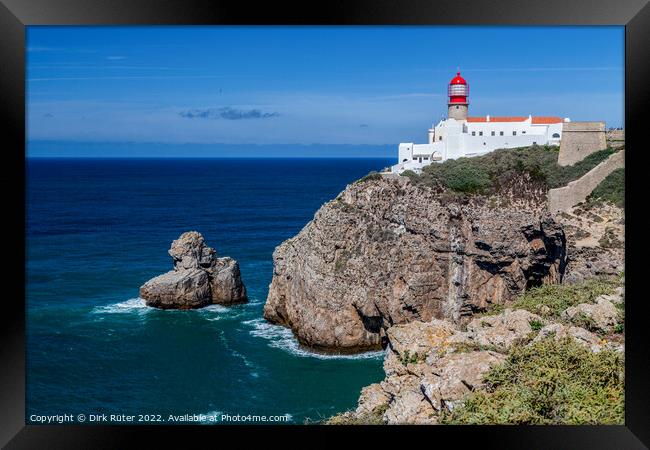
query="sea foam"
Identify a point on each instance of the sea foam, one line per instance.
(139, 306)
(133, 305)
(282, 338)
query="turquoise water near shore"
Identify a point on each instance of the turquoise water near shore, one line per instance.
(98, 228)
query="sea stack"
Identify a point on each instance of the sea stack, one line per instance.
(198, 279)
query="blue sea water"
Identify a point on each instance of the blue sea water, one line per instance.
(97, 229)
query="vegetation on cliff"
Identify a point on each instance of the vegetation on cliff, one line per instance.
(550, 300)
(548, 382)
(549, 369)
(611, 189)
(488, 173)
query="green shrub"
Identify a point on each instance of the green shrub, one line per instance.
(550, 300)
(408, 358)
(350, 418)
(536, 325)
(562, 175)
(374, 175)
(488, 173)
(611, 189)
(548, 382)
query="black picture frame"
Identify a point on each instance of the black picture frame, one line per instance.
(15, 15)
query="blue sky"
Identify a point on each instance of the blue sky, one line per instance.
(366, 86)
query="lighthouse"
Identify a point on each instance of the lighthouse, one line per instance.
(461, 135)
(458, 92)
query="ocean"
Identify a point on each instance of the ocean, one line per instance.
(97, 229)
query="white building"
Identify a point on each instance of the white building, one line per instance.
(460, 135)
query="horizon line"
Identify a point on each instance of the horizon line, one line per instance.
(208, 157)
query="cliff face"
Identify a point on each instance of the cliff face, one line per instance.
(387, 252)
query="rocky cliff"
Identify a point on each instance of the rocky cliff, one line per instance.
(436, 370)
(387, 252)
(433, 367)
(198, 278)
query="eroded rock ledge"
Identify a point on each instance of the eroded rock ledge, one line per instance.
(198, 279)
(432, 366)
(386, 252)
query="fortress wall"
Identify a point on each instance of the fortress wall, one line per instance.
(615, 138)
(562, 199)
(580, 139)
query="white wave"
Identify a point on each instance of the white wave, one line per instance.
(212, 312)
(132, 305)
(139, 306)
(213, 308)
(282, 338)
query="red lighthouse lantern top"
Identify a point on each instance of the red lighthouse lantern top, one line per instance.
(458, 90)
(458, 79)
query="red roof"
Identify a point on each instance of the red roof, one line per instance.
(547, 119)
(536, 120)
(458, 79)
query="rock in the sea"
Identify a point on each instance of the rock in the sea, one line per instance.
(199, 278)
(183, 289)
(388, 252)
(225, 281)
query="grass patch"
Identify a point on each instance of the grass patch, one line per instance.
(609, 239)
(374, 175)
(611, 189)
(468, 347)
(550, 300)
(350, 418)
(411, 358)
(488, 173)
(548, 382)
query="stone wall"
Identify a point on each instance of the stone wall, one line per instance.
(615, 138)
(580, 139)
(562, 199)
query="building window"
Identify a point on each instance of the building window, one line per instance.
(523, 132)
(426, 158)
(440, 138)
(415, 158)
(500, 133)
(493, 133)
(457, 106)
(480, 133)
(556, 135)
(405, 159)
(534, 143)
(483, 143)
(473, 133)
(514, 133)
